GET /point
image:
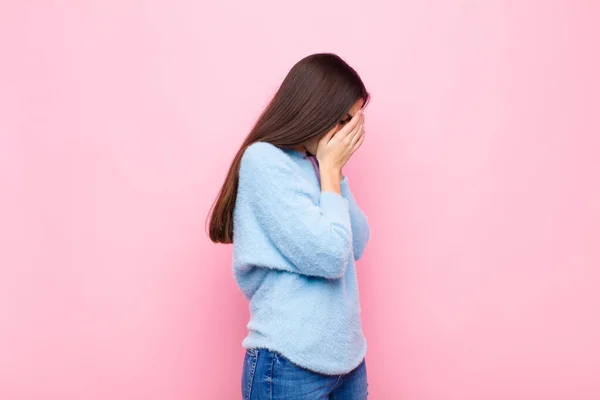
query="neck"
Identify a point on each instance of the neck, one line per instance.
(301, 149)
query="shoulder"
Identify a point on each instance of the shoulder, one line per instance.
(265, 167)
(262, 156)
(260, 150)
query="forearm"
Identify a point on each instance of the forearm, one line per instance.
(331, 179)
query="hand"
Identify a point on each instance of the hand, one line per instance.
(335, 148)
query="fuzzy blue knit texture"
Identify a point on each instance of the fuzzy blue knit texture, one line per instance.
(294, 259)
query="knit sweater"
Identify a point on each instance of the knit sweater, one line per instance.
(294, 259)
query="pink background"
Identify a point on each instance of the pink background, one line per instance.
(481, 178)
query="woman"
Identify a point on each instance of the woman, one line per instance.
(297, 231)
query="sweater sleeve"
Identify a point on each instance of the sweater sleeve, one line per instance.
(360, 226)
(314, 235)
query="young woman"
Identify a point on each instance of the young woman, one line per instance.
(297, 230)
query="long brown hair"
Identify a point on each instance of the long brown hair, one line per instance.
(314, 96)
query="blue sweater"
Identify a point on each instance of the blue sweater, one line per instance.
(294, 253)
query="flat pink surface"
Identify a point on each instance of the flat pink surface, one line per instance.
(480, 175)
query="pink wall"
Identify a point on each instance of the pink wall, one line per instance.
(481, 177)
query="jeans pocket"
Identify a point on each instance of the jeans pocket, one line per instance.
(250, 360)
(252, 352)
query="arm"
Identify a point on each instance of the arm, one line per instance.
(314, 235)
(360, 226)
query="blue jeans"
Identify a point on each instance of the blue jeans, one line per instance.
(267, 375)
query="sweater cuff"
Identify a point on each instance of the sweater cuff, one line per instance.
(345, 186)
(335, 207)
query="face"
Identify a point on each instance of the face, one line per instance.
(311, 146)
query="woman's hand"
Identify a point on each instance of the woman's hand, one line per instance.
(335, 149)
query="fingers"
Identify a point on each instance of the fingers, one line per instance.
(359, 142)
(356, 132)
(357, 136)
(343, 143)
(350, 126)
